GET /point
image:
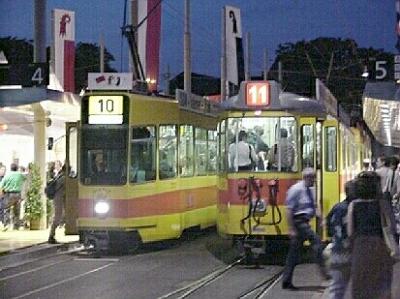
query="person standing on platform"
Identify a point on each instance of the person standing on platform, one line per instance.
(58, 202)
(340, 256)
(384, 171)
(11, 186)
(242, 154)
(300, 206)
(371, 264)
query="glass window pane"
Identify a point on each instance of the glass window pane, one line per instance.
(273, 151)
(212, 152)
(307, 139)
(104, 156)
(200, 151)
(167, 152)
(72, 152)
(186, 151)
(330, 154)
(143, 154)
(222, 147)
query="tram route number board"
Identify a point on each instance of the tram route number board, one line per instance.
(105, 109)
(258, 93)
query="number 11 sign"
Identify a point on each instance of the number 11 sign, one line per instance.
(258, 93)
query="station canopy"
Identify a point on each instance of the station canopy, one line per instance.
(17, 116)
(381, 106)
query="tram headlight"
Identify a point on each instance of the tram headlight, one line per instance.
(101, 207)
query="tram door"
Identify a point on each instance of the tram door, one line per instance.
(330, 165)
(310, 152)
(71, 179)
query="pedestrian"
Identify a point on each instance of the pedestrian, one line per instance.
(242, 155)
(58, 202)
(11, 186)
(384, 171)
(300, 206)
(340, 255)
(282, 153)
(371, 264)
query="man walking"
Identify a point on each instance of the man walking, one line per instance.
(300, 206)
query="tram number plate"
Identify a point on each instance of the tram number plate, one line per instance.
(258, 93)
(105, 109)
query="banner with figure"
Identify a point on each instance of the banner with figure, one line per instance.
(62, 75)
(234, 45)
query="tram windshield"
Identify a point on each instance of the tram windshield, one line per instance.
(103, 156)
(272, 140)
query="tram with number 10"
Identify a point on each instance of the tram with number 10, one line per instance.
(288, 133)
(142, 168)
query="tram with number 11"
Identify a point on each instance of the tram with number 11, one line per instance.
(288, 133)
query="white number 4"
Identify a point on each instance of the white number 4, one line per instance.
(37, 76)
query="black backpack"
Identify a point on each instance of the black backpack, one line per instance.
(53, 186)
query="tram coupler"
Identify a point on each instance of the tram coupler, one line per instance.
(253, 247)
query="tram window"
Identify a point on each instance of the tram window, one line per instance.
(330, 149)
(167, 152)
(104, 156)
(143, 154)
(200, 141)
(72, 152)
(222, 147)
(274, 140)
(212, 152)
(307, 142)
(186, 151)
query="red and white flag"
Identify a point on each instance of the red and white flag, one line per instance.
(149, 39)
(63, 72)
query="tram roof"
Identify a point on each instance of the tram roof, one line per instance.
(279, 101)
(381, 107)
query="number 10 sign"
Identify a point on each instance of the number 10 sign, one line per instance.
(258, 93)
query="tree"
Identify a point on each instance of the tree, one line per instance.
(20, 51)
(87, 60)
(337, 62)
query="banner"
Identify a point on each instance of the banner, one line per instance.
(234, 45)
(63, 54)
(148, 36)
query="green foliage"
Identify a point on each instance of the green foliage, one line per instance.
(338, 62)
(33, 204)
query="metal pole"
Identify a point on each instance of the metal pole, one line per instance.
(247, 76)
(280, 72)
(223, 56)
(101, 53)
(39, 127)
(186, 53)
(265, 77)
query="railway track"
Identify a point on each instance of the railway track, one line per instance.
(256, 291)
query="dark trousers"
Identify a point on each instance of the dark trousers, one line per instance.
(304, 232)
(11, 200)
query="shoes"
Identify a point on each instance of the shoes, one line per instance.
(289, 286)
(52, 241)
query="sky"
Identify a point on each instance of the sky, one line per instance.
(370, 23)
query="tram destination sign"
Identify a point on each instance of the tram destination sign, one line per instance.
(105, 110)
(258, 93)
(27, 75)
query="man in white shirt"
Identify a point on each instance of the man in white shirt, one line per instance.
(242, 155)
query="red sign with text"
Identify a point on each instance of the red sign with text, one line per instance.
(258, 93)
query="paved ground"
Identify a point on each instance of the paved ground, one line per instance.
(17, 239)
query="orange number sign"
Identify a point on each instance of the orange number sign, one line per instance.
(258, 93)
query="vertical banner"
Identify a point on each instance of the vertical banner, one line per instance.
(63, 76)
(234, 45)
(398, 25)
(148, 36)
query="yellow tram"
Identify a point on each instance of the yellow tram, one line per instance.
(288, 133)
(142, 169)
